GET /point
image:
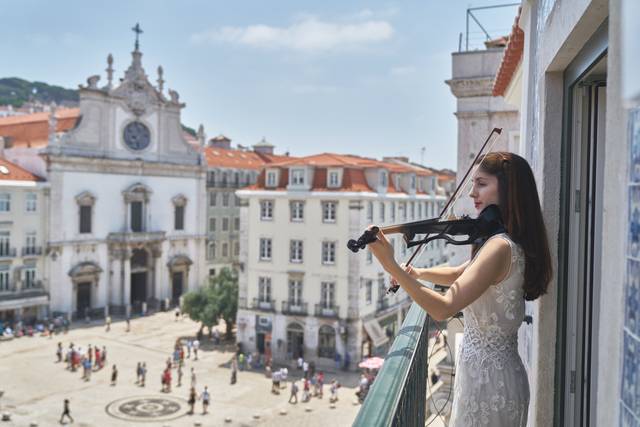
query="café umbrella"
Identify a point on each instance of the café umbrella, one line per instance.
(371, 363)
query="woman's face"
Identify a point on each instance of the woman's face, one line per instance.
(484, 190)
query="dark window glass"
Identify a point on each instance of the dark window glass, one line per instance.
(179, 218)
(136, 216)
(85, 219)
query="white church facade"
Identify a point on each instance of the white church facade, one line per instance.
(126, 189)
(125, 220)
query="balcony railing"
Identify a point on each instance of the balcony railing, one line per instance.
(35, 289)
(395, 397)
(383, 304)
(31, 250)
(322, 311)
(263, 305)
(7, 252)
(299, 309)
(227, 184)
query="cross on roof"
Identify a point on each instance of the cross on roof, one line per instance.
(138, 31)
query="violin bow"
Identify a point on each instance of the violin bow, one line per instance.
(452, 199)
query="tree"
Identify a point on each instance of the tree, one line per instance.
(219, 299)
(225, 288)
(200, 306)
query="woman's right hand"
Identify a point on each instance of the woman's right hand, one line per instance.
(413, 272)
(410, 270)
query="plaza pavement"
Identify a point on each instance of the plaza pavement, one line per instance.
(35, 385)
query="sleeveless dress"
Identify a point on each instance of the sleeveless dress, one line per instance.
(491, 385)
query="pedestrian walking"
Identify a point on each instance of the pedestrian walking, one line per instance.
(177, 314)
(143, 374)
(193, 378)
(98, 361)
(305, 369)
(320, 384)
(114, 375)
(192, 400)
(128, 325)
(294, 392)
(189, 345)
(234, 370)
(104, 356)
(138, 372)
(300, 362)
(241, 361)
(196, 346)
(334, 390)
(179, 376)
(108, 322)
(275, 382)
(59, 352)
(305, 390)
(66, 412)
(205, 400)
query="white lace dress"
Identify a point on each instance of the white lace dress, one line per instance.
(491, 386)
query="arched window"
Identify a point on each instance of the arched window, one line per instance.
(326, 342)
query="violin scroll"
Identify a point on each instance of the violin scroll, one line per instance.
(367, 237)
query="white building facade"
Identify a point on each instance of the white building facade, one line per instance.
(126, 226)
(302, 292)
(23, 283)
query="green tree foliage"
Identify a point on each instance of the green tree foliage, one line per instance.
(218, 300)
(17, 91)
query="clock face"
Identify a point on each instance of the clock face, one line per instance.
(137, 136)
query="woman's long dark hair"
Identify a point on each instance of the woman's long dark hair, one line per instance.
(520, 208)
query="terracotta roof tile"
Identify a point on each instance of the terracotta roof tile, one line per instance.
(32, 130)
(230, 158)
(510, 59)
(11, 172)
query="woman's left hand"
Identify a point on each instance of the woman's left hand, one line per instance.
(383, 251)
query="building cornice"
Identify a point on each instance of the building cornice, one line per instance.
(465, 88)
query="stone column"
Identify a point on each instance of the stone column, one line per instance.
(126, 261)
(157, 273)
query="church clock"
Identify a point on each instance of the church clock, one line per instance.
(137, 136)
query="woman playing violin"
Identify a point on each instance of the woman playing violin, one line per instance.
(491, 386)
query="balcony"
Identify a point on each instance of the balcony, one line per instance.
(136, 237)
(292, 309)
(393, 399)
(331, 312)
(31, 251)
(263, 305)
(224, 184)
(6, 252)
(36, 294)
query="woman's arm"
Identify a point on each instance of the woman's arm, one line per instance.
(491, 266)
(439, 275)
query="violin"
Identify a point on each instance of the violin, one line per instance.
(477, 230)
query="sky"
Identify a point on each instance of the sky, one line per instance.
(364, 78)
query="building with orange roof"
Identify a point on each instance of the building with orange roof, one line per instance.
(229, 169)
(302, 292)
(23, 232)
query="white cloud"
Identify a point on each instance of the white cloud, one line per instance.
(403, 70)
(308, 34)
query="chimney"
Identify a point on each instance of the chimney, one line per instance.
(220, 141)
(263, 147)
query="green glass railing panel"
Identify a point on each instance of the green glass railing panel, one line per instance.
(397, 397)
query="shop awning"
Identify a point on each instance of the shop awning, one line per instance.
(375, 332)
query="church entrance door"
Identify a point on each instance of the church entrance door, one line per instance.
(138, 288)
(176, 285)
(83, 297)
